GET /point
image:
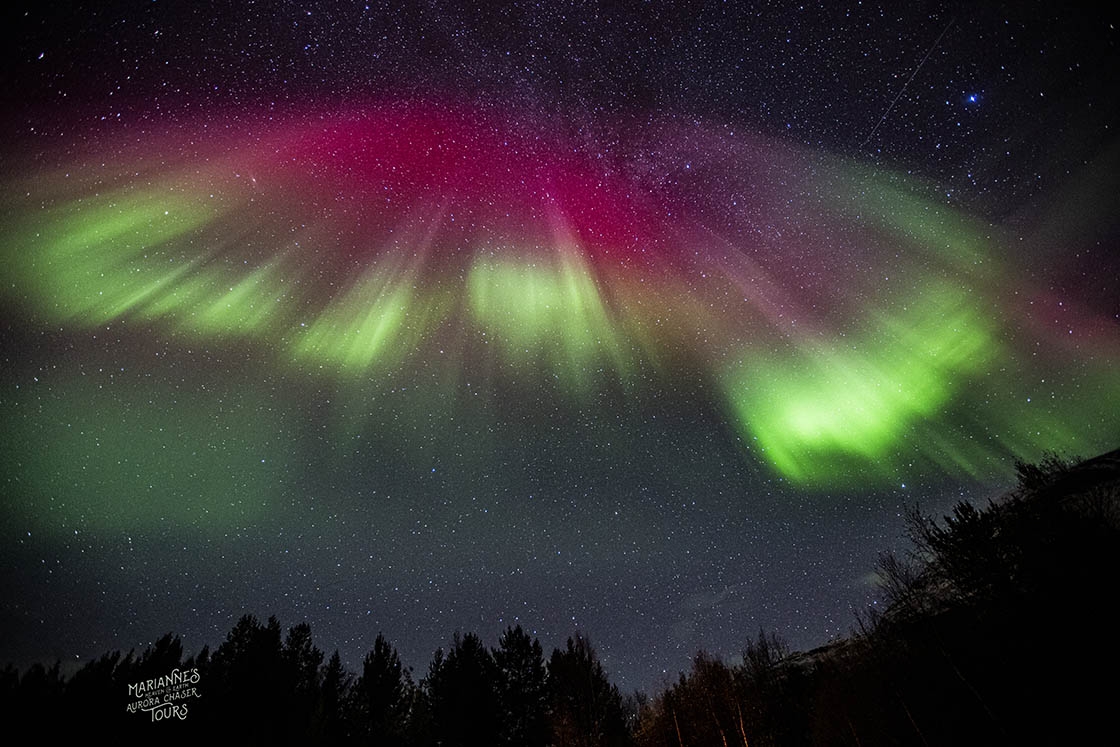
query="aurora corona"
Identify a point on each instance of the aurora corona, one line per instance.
(366, 242)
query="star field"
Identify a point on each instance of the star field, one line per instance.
(645, 321)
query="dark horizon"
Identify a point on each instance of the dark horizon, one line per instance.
(973, 608)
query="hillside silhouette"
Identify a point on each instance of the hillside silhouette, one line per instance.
(999, 628)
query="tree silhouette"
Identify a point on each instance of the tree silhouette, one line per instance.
(160, 658)
(382, 695)
(40, 692)
(522, 689)
(586, 707)
(301, 663)
(331, 720)
(463, 696)
(245, 679)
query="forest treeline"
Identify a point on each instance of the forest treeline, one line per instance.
(999, 627)
(265, 686)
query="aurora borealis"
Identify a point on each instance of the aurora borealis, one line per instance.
(391, 356)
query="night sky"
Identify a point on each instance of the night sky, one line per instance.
(635, 319)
